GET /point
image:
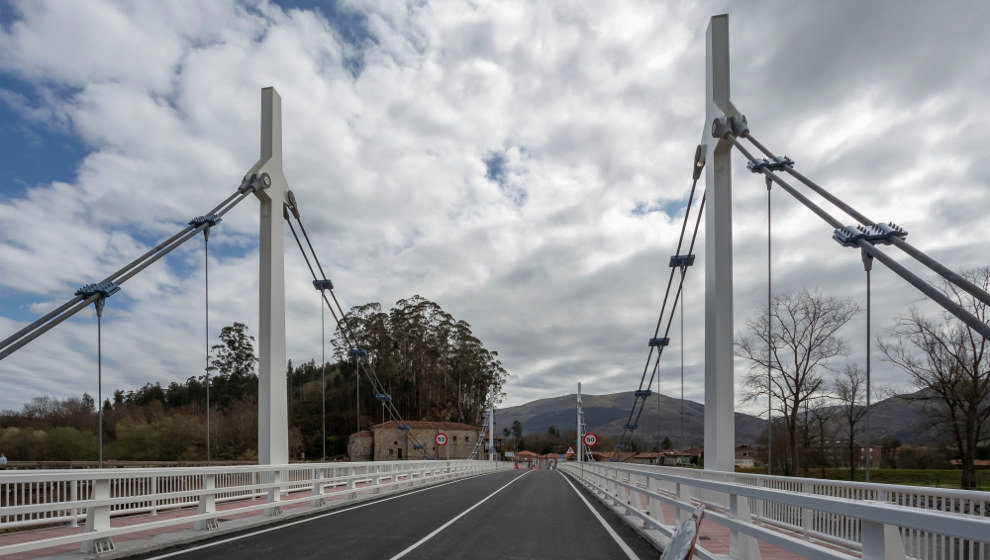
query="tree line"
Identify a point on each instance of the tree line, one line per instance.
(432, 365)
(792, 348)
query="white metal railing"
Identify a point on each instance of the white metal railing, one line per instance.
(811, 517)
(39, 498)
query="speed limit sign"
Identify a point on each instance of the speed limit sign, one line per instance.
(590, 439)
(441, 439)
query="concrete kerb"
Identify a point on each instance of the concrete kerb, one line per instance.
(166, 541)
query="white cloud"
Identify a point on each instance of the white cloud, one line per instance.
(595, 109)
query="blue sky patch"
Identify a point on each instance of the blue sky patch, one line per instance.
(350, 25)
(32, 151)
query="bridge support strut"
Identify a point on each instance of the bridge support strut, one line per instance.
(719, 375)
(273, 420)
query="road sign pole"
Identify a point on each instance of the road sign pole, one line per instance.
(580, 436)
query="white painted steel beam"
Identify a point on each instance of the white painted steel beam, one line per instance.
(273, 420)
(719, 377)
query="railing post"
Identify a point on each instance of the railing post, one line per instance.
(654, 505)
(319, 487)
(274, 493)
(683, 496)
(208, 504)
(98, 518)
(74, 496)
(741, 546)
(154, 495)
(352, 484)
(882, 542)
(807, 515)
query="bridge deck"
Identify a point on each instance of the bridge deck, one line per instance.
(510, 514)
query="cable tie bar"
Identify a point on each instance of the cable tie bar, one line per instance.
(654, 342)
(324, 284)
(358, 353)
(622, 447)
(402, 426)
(383, 397)
(631, 426)
(212, 219)
(419, 446)
(105, 289)
(681, 261)
(643, 393)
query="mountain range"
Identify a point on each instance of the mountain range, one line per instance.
(606, 415)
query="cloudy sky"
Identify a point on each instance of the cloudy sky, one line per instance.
(524, 164)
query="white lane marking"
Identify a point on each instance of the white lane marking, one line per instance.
(449, 523)
(622, 544)
(308, 519)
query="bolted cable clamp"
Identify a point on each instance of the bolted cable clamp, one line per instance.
(848, 236)
(383, 397)
(763, 165)
(659, 341)
(212, 219)
(882, 234)
(324, 284)
(404, 427)
(105, 289)
(681, 261)
(643, 393)
(358, 353)
(631, 426)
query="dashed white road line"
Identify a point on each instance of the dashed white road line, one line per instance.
(306, 520)
(449, 523)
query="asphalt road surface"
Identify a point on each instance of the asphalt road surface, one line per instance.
(518, 514)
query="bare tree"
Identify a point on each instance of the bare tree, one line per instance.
(945, 359)
(803, 327)
(850, 388)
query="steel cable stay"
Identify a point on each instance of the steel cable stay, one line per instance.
(861, 237)
(897, 241)
(769, 333)
(675, 263)
(322, 283)
(641, 394)
(27, 334)
(210, 221)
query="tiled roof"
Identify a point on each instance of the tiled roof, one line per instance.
(422, 425)
(362, 433)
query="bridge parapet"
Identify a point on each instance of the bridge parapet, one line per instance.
(184, 495)
(810, 517)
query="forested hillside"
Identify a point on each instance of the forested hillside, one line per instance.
(430, 362)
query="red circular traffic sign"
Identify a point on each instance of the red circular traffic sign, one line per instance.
(590, 439)
(441, 439)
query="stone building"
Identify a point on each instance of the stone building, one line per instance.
(390, 442)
